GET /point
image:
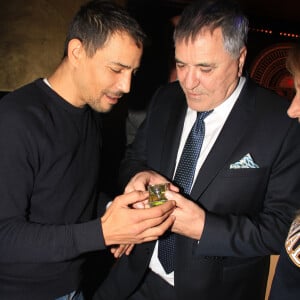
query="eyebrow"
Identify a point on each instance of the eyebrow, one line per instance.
(122, 65)
(125, 66)
(197, 65)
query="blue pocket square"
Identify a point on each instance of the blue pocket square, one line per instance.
(246, 162)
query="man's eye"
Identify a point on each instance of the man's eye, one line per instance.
(180, 66)
(116, 70)
(206, 70)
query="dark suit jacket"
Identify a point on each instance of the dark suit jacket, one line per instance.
(248, 211)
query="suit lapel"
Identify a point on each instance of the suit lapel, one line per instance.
(172, 136)
(229, 138)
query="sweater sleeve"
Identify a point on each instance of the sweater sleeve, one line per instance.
(25, 242)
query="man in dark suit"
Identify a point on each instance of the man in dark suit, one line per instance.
(245, 186)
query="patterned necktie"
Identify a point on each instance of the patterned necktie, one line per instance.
(184, 177)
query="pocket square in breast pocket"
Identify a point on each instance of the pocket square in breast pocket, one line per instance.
(245, 162)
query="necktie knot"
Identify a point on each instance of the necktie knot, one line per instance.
(201, 115)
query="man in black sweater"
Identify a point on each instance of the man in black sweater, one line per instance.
(50, 149)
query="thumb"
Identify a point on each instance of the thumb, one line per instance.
(171, 195)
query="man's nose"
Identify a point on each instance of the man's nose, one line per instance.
(294, 109)
(124, 83)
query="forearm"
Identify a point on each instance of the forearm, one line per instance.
(24, 242)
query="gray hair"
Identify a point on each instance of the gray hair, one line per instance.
(214, 14)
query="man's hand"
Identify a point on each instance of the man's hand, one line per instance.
(189, 217)
(121, 224)
(119, 250)
(141, 180)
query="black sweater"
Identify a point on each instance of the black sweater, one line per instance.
(49, 188)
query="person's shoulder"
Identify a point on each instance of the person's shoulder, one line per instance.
(266, 91)
(174, 86)
(23, 94)
(170, 89)
(265, 97)
(24, 104)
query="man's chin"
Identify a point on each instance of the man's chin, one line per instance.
(102, 109)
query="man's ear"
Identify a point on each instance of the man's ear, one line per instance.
(242, 58)
(75, 51)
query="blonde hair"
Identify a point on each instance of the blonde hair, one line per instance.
(293, 60)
